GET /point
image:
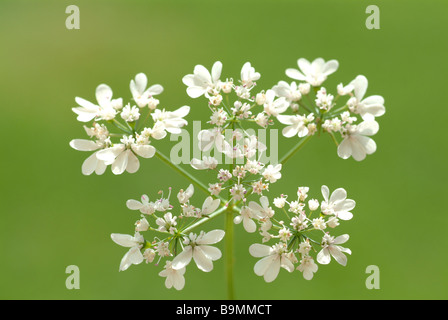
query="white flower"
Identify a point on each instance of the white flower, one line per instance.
(144, 206)
(174, 277)
(215, 188)
(337, 204)
(149, 255)
(248, 75)
(238, 192)
(260, 98)
(323, 100)
(122, 155)
(302, 193)
(274, 107)
(246, 217)
(296, 126)
(209, 138)
(273, 258)
(142, 225)
(263, 211)
(198, 248)
(343, 91)
(209, 206)
(314, 73)
(290, 92)
(319, 223)
(105, 110)
(172, 120)
(129, 114)
(135, 243)
(356, 142)
(184, 196)
(141, 95)
(330, 249)
(219, 117)
(262, 119)
(307, 267)
(272, 173)
(207, 163)
(280, 202)
(201, 81)
(92, 163)
(370, 107)
(313, 204)
(167, 223)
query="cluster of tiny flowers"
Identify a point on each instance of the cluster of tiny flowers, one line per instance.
(121, 133)
(171, 226)
(296, 233)
(315, 110)
(299, 228)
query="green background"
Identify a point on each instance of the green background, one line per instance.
(52, 216)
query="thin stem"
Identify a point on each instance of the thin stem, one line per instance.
(298, 146)
(229, 253)
(204, 220)
(182, 172)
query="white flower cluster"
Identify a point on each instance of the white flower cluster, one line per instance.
(291, 230)
(134, 134)
(316, 110)
(295, 235)
(171, 224)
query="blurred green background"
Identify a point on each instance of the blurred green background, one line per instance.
(52, 216)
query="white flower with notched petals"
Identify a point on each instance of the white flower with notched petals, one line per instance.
(272, 173)
(274, 107)
(356, 142)
(246, 217)
(198, 248)
(337, 204)
(261, 212)
(331, 248)
(142, 225)
(135, 243)
(122, 156)
(307, 267)
(273, 258)
(141, 95)
(248, 75)
(315, 73)
(290, 92)
(209, 206)
(370, 107)
(172, 121)
(296, 125)
(202, 81)
(167, 223)
(174, 277)
(105, 110)
(144, 206)
(92, 163)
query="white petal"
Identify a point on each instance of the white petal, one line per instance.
(83, 145)
(338, 255)
(295, 74)
(195, 92)
(123, 240)
(323, 257)
(120, 163)
(341, 239)
(182, 259)
(273, 270)
(259, 250)
(216, 71)
(110, 154)
(360, 84)
(89, 165)
(325, 192)
(144, 151)
(338, 195)
(202, 261)
(368, 128)
(134, 204)
(212, 253)
(249, 225)
(263, 265)
(345, 148)
(154, 90)
(103, 95)
(211, 237)
(330, 67)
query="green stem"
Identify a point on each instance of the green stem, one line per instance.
(182, 172)
(298, 146)
(229, 253)
(204, 220)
